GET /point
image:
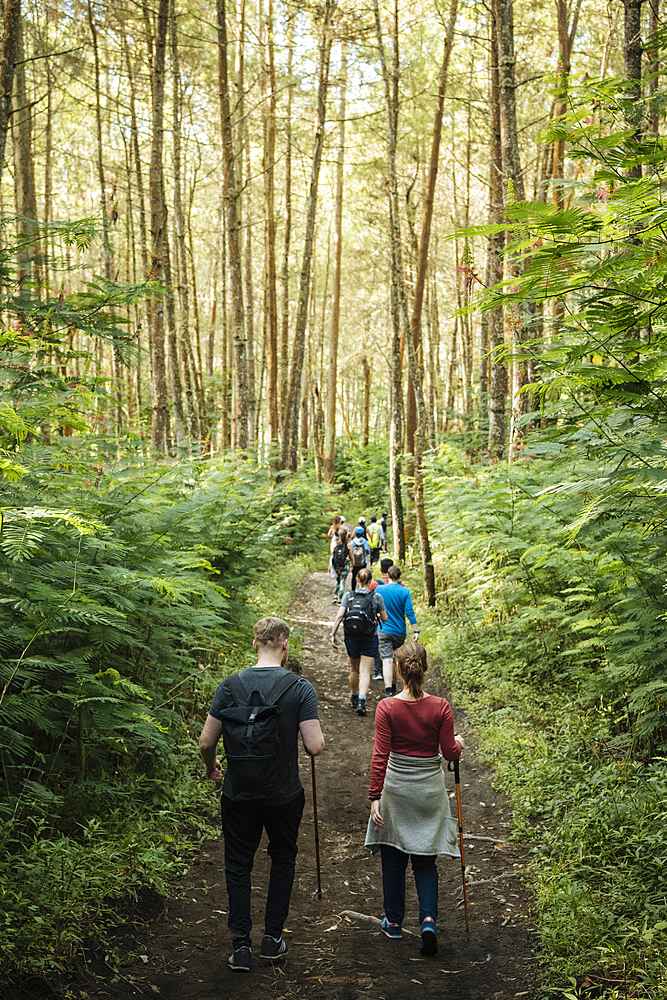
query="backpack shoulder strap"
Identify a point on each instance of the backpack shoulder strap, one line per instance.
(281, 686)
(237, 689)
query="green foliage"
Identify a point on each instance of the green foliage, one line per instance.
(128, 589)
(363, 473)
(554, 638)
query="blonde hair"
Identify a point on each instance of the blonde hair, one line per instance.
(271, 631)
(412, 665)
(364, 576)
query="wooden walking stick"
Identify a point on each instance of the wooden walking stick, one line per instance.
(317, 829)
(463, 864)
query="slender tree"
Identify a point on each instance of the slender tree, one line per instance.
(330, 446)
(290, 437)
(271, 299)
(160, 424)
(496, 242)
(287, 226)
(231, 196)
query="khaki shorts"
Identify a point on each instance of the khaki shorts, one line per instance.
(388, 642)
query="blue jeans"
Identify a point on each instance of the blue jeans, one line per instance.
(394, 864)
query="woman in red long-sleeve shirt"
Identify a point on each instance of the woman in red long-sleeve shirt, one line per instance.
(410, 816)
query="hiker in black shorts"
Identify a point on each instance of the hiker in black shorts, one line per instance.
(359, 610)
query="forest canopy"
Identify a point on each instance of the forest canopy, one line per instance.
(259, 258)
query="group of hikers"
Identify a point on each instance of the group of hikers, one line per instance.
(354, 548)
(260, 713)
(373, 623)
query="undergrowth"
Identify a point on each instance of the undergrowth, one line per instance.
(554, 642)
(129, 590)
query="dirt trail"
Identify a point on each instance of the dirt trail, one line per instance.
(331, 956)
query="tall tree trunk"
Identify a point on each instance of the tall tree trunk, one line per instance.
(632, 52)
(180, 251)
(398, 303)
(290, 437)
(231, 195)
(566, 35)
(413, 334)
(245, 184)
(287, 228)
(160, 430)
(330, 446)
(271, 311)
(515, 192)
(366, 368)
(653, 68)
(8, 58)
(498, 377)
(396, 415)
(24, 165)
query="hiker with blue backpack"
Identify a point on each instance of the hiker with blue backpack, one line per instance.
(359, 612)
(360, 554)
(260, 713)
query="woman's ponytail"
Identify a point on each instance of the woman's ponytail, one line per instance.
(412, 665)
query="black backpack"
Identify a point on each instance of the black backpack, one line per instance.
(340, 556)
(359, 620)
(257, 765)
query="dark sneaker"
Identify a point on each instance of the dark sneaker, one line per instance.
(388, 693)
(391, 930)
(393, 689)
(378, 676)
(239, 960)
(361, 706)
(429, 945)
(354, 700)
(273, 948)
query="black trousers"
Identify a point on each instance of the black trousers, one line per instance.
(242, 825)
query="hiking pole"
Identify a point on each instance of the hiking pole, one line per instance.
(463, 864)
(317, 829)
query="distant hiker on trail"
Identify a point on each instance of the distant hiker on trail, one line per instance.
(362, 525)
(383, 523)
(358, 612)
(360, 554)
(340, 565)
(263, 791)
(398, 603)
(374, 535)
(410, 816)
(334, 527)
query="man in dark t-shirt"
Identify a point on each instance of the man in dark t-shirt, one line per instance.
(244, 819)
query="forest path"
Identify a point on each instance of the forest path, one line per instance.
(332, 956)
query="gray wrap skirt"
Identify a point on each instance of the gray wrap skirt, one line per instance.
(415, 809)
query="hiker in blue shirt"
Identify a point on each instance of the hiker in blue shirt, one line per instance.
(398, 603)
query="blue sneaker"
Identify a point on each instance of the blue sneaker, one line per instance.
(429, 945)
(391, 930)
